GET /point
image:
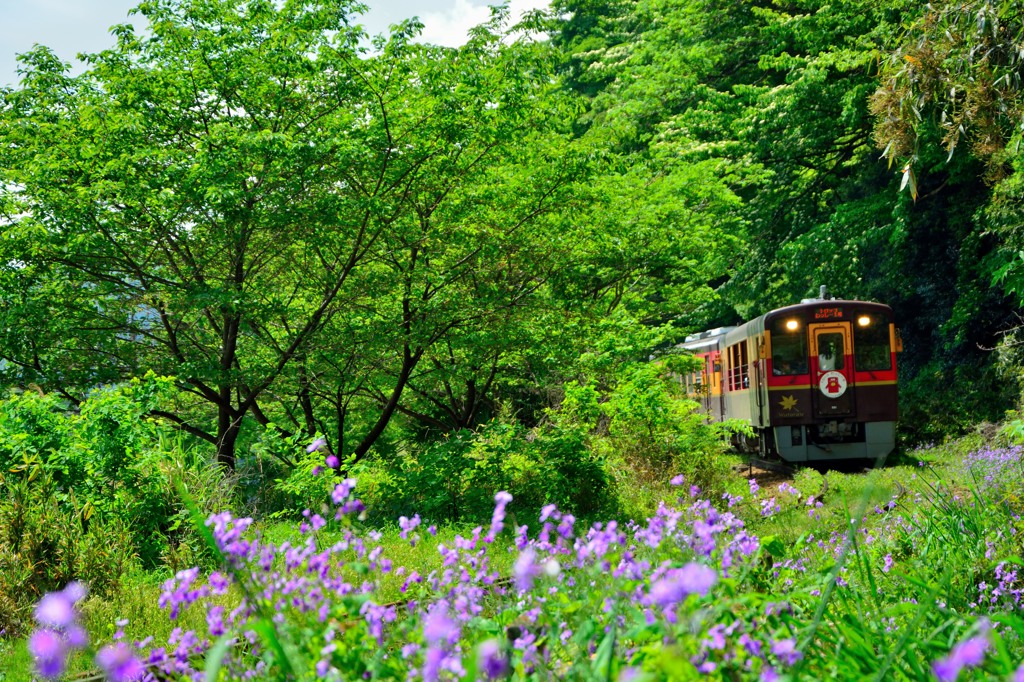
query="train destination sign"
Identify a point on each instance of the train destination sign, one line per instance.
(828, 313)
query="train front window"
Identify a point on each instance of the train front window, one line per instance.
(789, 347)
(830, 352)
(871, 352)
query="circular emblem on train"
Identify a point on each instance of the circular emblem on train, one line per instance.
(832, 384)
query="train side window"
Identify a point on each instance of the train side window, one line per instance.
(744, 366)
(871, 351)
(789, 348)
(737, 366)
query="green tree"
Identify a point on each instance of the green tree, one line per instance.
(771, 102)
(247, 200)
(957, 71)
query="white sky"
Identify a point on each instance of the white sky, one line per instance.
(73, 26)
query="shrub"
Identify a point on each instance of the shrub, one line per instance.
(107, 461)
(45, 544)
(933, 407)
(455, 479)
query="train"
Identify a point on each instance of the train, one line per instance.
(815, 381)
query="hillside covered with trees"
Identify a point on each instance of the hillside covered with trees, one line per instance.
(316, 236)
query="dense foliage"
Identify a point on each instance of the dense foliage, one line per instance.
(314, 237)
(783, 103)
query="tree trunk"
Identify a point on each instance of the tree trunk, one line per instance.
(409, 361)
(228, 426)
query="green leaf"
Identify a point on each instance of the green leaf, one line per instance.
(605, 655)
(774, 546)
(215, 656)
(269, 636)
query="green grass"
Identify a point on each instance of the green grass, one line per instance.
(940, 558)
(847, 493)
(135, 600)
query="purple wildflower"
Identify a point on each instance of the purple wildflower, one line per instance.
(786, 651)
(630, 674)
(408, 525)
(178, 591)
(491, 661)
(75, 636)
(57, 614)
(501, 501)
(119, 664)
(565, 526)
(752, 646)
(343, 490)
(788, 489)
(769, 507)
(547, 510)
(678, 583)
(525, 569)
(218, 583)
(57, 609)
(966, 654)
(677, 480)
(438, 627)
(433, 663)
(316, 445)
(332, 462)
(48, 652)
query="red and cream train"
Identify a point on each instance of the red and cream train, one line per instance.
(815, 381)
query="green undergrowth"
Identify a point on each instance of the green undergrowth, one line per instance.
(422, 556)
(134, 601)
(853, 490)
(136, 594)
(909, 543)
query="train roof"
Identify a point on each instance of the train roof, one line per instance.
(811, 303)
(704, 339)
(712, 337)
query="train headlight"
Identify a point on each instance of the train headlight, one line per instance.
(792, 325)
(864, 320)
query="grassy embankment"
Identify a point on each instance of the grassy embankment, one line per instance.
(907, 545)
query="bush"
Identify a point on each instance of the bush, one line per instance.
(456, 478)
(934, 406)
(607, 448)
(659, 433)
(109, 461)
(45, 544)
(646, 430)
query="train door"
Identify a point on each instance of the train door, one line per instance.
(759, 381)
(717, 398)
(832, 369)
(706, 385)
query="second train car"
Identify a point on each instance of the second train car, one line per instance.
(815, 381)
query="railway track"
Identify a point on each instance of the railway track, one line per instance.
(774, 466)
(757, 467)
